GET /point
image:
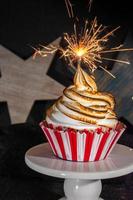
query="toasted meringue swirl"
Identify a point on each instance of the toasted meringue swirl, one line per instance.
(82, 106)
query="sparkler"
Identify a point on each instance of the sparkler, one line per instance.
(88, 47)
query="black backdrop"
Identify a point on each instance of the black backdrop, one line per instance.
(30, 22)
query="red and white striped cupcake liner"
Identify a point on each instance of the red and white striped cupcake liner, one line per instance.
(85, 145)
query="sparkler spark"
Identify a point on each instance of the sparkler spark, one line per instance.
(69, 8)
(45, 50)
(88, 47)
(90, 4)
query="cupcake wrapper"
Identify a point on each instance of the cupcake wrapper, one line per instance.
(70, 144)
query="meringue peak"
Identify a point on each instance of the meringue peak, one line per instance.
(84, 81)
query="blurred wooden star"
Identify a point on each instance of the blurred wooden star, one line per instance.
(23, 82)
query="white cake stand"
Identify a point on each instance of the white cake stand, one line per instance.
(82, 179)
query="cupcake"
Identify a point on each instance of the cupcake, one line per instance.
(82, 124)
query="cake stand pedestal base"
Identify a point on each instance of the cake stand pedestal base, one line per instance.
(82, 179)
(78, 189)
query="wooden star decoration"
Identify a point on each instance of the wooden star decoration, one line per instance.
(23, 82)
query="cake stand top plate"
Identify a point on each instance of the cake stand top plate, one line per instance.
(41, 159)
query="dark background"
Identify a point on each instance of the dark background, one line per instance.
(25, 23)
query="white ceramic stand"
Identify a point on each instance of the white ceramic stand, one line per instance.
(82, 179)
(78, 189)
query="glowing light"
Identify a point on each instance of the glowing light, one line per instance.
(88, 47)
(80, 52)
